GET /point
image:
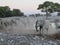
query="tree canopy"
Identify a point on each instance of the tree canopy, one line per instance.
(6, 12)
(49, 6)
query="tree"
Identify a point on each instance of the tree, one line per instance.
(6, 12)
(17, 12)
(49, 7)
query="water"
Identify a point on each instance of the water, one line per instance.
(7, 39)
(22, 28)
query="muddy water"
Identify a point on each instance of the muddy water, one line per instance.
(7, 39)
(21, 27)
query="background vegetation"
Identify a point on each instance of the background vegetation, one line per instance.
(5, 11)
(49, 7)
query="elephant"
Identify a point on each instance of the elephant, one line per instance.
(39, 24)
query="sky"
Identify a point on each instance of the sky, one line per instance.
(26, 6)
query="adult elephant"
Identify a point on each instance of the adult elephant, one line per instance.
(39, 25)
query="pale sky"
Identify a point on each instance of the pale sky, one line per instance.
(26, 6)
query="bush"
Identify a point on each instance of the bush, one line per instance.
(6, 12)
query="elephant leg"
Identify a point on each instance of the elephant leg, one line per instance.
(36, 28)
(47, 30)
(41, 30)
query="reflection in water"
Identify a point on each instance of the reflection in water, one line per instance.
(6, 39)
